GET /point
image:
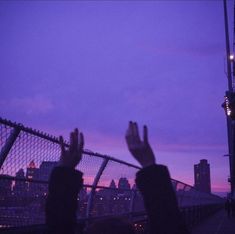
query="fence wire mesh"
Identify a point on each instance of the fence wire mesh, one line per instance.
(26, 167)
(4, 134)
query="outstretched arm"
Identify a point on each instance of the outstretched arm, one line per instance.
(155, 186)
(64, 186)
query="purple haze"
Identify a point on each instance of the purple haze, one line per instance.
(97, 65)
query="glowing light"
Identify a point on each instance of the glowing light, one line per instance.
(228, 110)
(231, 56)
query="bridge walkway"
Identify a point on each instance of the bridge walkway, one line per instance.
(218, 223)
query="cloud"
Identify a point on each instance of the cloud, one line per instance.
(221, 188)
(30, 105)
(191, 147)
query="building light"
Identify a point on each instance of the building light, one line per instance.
(227, 107)
(231, 56)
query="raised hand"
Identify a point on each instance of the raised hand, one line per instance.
(140, 149)
(72, 156)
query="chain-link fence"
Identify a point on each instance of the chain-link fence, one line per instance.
(27, 158)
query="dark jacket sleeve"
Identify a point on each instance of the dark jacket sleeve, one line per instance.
(160, 201)
(61, 205)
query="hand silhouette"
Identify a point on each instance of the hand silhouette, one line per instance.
(72, 156)
(141, 150)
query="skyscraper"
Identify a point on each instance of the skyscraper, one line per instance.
(20, 187)
(202, 180)
(112, 184)
(45, 169)
(32, 171)
(123, 183)
(31, 175)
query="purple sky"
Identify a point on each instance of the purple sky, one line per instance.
(97, 65)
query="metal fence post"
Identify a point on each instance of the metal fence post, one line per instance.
(9, 143)
(96, 180)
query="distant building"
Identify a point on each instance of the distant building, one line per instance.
(5, 186)
(45, 170)
(44, 173)
(31, 175)
(20, 188)
(112, 185)
(202, 180)
(108, 193)
(32, 171)
(123, 183)
(5, 193)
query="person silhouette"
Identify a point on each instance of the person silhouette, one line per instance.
(152, 180)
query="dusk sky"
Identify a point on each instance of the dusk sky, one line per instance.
(96, 65)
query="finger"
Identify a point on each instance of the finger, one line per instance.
(136, 132)
(129, 134)
(129, 141)
(71, 145)
(81, 141)
(132, 130)
(75, 143)
(61, 141)
(145, 134)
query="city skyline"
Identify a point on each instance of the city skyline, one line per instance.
(32, 173)
(96, 66)
(31, 183)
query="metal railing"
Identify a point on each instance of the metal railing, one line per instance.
(27, 158)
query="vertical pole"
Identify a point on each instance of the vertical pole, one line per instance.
(232, 160)
(232, 156)
(95, 183)
(230, 125)
(227, 47)
(9, 143)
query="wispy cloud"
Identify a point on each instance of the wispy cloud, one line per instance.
(30, 105)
